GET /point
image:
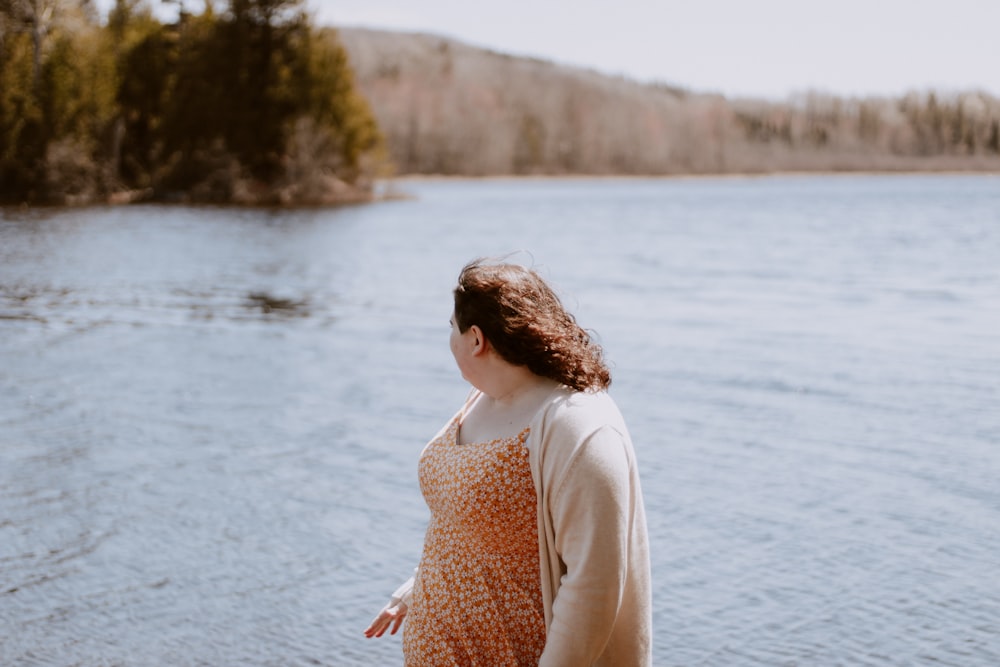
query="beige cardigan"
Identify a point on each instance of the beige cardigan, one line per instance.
(592, 546)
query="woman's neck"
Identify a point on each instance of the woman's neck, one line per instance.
(516, 386)
(505, 408)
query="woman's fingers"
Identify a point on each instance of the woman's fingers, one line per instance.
(377, 626)
(389, 616)
(399, 622)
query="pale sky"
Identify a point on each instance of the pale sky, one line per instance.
(768, 48)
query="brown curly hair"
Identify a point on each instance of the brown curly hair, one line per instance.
(527, 324)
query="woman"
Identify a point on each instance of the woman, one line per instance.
(536, 552)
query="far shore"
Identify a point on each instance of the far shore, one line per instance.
(679, 177)
(386, 189)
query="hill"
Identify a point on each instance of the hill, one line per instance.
(446, 107)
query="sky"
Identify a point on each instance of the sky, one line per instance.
(741, 48)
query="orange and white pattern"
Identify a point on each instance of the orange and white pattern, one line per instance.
(477, 598)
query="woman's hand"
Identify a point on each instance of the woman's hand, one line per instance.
(391, 614)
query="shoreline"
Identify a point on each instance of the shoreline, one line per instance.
(386, 188)
(672, 177)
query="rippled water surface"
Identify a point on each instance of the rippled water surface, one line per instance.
(210, 418)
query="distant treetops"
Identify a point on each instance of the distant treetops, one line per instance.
(252, 105)
(451, 108)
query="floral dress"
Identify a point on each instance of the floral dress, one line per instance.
(477, 597)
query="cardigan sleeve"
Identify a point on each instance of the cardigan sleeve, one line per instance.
(590, 511)
(404, 593)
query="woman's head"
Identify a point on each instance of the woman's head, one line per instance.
(526, 324)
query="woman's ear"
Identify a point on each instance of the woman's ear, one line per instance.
(479, 343)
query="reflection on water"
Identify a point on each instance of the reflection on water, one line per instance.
(273, 305)
(210, 418)
(44, 304)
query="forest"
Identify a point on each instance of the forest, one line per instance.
(449, 108)
(250, 105)
(253, 104)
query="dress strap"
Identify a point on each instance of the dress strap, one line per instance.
(470, 399)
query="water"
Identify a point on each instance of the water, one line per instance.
(210, 418)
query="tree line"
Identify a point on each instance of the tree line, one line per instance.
(251, 104)
(449, 108)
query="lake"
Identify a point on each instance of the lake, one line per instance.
(210, 418)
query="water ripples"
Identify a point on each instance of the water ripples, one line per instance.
(210, 419)
(65, 307)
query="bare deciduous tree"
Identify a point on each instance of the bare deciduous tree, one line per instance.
(446, 107)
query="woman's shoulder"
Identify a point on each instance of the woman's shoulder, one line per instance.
(572, 400)
(581, 411)
(574, 422)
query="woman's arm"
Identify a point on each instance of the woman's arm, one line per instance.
(592, 513)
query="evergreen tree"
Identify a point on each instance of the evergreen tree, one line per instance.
(192, 109)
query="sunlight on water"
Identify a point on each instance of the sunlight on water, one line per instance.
(210, 419)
